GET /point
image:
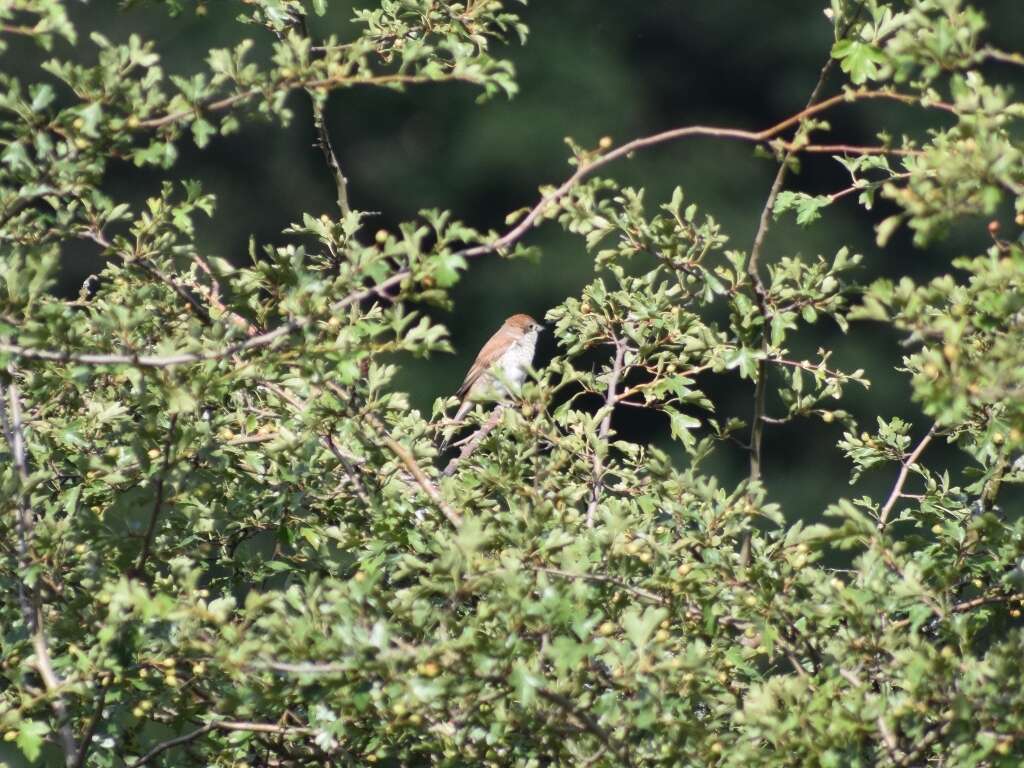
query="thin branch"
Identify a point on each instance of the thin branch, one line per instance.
(929, 738)
(968, 605)
(163, 746)
(29, 597)
(147, 543)
(327, 148)
(470, 444)
(851, 149)
(183, 358)
(597, 482)
(901, 479)
(760, 296)
(90, 729)
(220, 725)
(588, 722)
(605, 579)
(589, 167)
(408, 460)
(422, 480)
(327, 83)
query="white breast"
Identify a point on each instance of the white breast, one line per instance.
(519, 356)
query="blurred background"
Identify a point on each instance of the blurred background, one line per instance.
(589, 69)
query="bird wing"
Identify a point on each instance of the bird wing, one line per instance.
(490, 353)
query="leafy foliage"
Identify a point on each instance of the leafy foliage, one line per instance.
(229, 540)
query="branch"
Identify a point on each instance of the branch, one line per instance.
(901, 479)
(90, 728)
(407, 459)
(422, 480)
(509, 238)
(588, 168)
(602, 432)
(219, 725)
(968, 605)
(605, 579)
(588, 723)
(183, 358)
(760, 294)
(29, 598)
(155, 514)
(469, 445)
(327, 83)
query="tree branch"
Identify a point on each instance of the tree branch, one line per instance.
(470, 444)
(588, 723)
(219, 725)
(588, 168)
(29, 597)
(597, 483)
(158, 501)
(901, 478)
(605, 579)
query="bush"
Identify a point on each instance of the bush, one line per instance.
(230, 541)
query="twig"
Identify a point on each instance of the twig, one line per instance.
(930, 738)
(219, 725)
(588, 722)
(968, 605)
(324, 137)
(422, 480)
(407, 459)
(597, 482)
(147, 543)
(605, 579)
(901, 479)
(513, 235)
(90, 729)
(760, 297)
(29, 597)
(327, 83)
(183, 358)
(470, 444)
(588, 168)
(889, 739)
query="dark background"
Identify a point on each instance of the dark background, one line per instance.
(589, 69)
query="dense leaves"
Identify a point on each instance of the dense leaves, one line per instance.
(228, 539)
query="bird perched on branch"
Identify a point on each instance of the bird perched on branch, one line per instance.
(501, 363)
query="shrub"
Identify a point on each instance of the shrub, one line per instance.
(229, 540)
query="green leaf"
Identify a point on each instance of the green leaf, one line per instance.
(30, 737)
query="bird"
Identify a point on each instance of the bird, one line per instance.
(502, 362)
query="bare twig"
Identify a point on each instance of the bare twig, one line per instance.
(327, 83)
(29, 597)
(512, 236)
(901, 479)
(968, 605)
(147, 542)
(597, 482)
(327, 148)
(407, 460)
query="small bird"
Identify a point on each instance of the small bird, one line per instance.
(503, 360)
